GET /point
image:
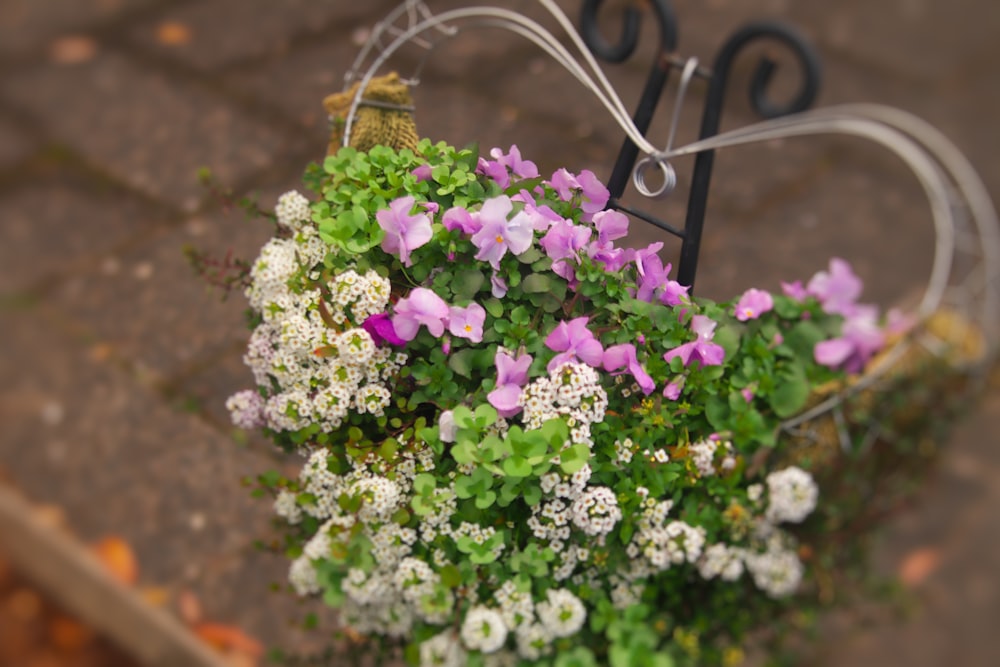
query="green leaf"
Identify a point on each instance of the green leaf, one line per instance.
(424, 483)
(791, 393)
(494, 307)
(517, 466)
(486, 499)
(537, 283)
(467, 283)
(461, 362)
(717, 412)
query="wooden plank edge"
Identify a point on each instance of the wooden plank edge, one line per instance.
(77, 580)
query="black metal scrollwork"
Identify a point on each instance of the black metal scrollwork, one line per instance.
(809, 66)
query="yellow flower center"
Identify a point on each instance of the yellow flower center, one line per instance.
(499, 239)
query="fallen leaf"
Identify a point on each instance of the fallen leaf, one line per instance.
(188, 607)
(918, 565)
(100, 352)
(173, 33)
(72, 50)
(228, 638)
(117, 556)
(68, 634)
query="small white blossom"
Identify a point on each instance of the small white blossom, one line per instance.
(792, 495)
(483, 630)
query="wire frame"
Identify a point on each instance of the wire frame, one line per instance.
(957, 322)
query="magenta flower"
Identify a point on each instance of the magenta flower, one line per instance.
(794, 290)
(421, 306)
(457, 217)
(564, 241)
(860, 338)
(701, 350)
(498, 286)
(498, 234)
(512, 375)
(673, 389)
(512, 161)
(623, 356)
(574, 341)
(611, 226)
(753, 304)
(422, 173)
(379, 327)
(838, 289)
(594, 195)
(467, 322)
(403, 232)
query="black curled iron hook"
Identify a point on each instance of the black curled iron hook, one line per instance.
(616, 53)
(809, 82)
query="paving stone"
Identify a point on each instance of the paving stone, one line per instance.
(80, 434)
(27, 23)
(252, 28)
(151, 307)
(14, 144)
(147, 130)
(51, 229)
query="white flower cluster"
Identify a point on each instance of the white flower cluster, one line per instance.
(310, 344)
(792, 495)
(573, 391)
(596, 511)
(778, 570)
(704, 453)
(292, 210)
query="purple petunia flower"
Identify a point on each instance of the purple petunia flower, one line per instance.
(422, 173)
(379, 327)
(701, 350)
(512, 375)
(498, 234)
(860, 338)
(512, 161)
(838, 289)
(611, 226)
(623, 356)
(673, 389)
(421, 306)
(594, 195)
(403, 232)
(573, 340)
(467, 322)
(753, 304)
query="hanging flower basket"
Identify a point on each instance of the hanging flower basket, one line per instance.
(527, 445)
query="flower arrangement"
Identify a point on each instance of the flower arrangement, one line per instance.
(526, 444)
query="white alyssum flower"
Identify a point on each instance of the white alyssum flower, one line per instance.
(442, 650)
(246, 408)
(596, 511)
(723, 561)
(292, 210)
(777, 572)
(561, 613)
(792, 495)
(483, 630)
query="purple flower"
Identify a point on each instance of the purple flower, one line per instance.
(573, 340)
(512, 375)
(379, 327)
(457, 217)
(623, 356)
(421, 306)
(563, 241)
(422, 173)
(467, 322)
(512, 161)
(498, 286)
(498, 234)
(594, 195)
(403, 232)
(495, 171)
(611, 226)
(652, 274)
(860, 338)
(794, 290)
(673, 389)
(838, 289)
(747, 394)
(701, 350)
(674, 294)
(753, 304)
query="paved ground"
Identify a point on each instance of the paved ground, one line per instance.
(117, 360)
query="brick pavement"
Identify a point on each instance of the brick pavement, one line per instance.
(118, 360)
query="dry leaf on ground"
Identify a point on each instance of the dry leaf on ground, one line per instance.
(173, 33)
(918, 565)
(72, 50)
